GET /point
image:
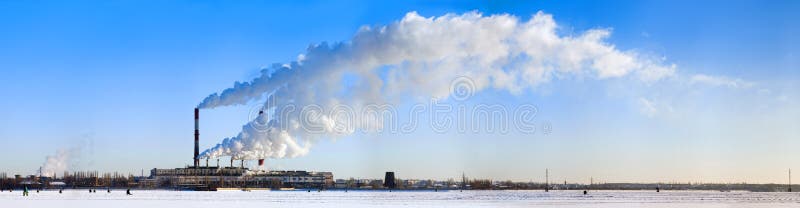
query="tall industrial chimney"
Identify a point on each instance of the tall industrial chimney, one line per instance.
(196, 137)
(260, 161)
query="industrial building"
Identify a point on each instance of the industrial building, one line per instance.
(197, 177)
(214, 178)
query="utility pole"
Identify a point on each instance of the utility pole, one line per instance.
(790, 180)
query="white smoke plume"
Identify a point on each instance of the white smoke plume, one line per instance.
(419, 57)
(58, 163)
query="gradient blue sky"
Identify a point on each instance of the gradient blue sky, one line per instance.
(120, 79)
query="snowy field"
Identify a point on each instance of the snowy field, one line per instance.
(156, 199)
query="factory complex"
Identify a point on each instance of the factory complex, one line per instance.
(197, 177)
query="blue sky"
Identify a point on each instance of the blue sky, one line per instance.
(120, 79)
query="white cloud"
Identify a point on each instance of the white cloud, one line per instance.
(647, 107)
(720, 81)
(655, 72)
(654, 107)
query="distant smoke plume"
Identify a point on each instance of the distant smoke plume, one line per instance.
(417, 57)
(69, 158)
(62, 161)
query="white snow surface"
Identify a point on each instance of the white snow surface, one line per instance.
(162, 198)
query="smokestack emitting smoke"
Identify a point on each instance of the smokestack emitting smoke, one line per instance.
(416, 57)
(261, 160)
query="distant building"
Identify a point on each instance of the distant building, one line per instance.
(389, 181)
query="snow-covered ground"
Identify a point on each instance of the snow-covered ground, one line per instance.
(156, 199)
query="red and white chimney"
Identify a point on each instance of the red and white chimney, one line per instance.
(196, 137)
(260, 161)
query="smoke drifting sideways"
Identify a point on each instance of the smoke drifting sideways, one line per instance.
(76, 156)
(416, 57)
(62, 161)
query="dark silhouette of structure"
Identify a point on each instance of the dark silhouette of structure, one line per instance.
(463, 181)
(389, 181)
(196, 137)
(546, 180)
